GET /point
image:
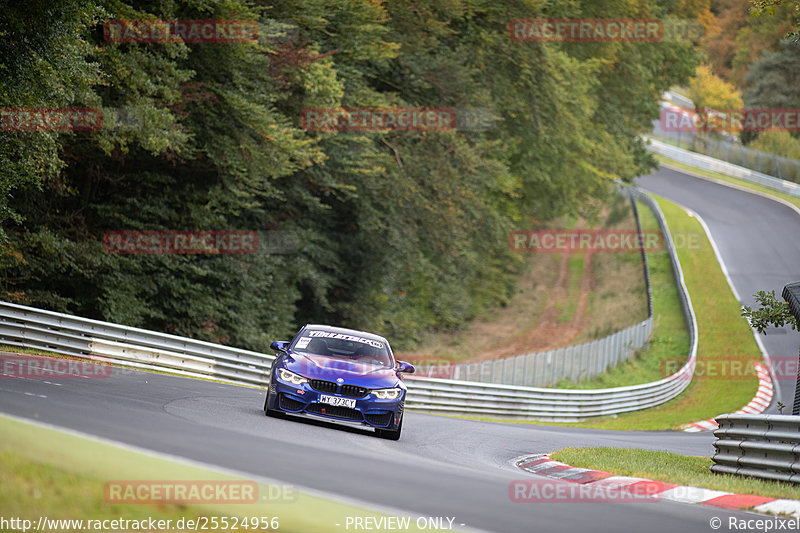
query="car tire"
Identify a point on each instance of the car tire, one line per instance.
(273, 413)
(390, 434)
(267, 411)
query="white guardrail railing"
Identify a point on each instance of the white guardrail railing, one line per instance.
(762, 446)
(138, 348)
(716, 165)
(131, 347)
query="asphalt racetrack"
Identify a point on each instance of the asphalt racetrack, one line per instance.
(440, 466)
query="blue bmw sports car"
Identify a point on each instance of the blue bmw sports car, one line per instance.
(339, 374)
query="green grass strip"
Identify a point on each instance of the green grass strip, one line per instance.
(671, 468)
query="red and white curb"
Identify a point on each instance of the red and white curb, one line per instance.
(542, 465)
(757, 405)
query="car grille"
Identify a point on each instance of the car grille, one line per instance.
(350, 391)
(324, 386)
(290, 404)
(379, 419)
(337, 411)
(354, 391)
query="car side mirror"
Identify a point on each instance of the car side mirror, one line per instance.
(406, 368)
(279, 346)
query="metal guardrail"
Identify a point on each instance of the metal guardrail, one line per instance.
(645, 261)
(677, 272)
(467, 398)
(138, 348)
(678, 99)
(764, 163)
(709, 163)
(762, 446)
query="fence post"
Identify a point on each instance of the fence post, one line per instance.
(539, 366)
(571, 372)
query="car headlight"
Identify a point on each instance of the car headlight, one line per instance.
(291, 377)
(387, 394)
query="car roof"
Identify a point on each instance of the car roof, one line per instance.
(334, 329)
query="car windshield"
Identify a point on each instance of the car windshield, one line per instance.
(346, 346)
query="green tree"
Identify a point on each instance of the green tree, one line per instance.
(735, 38)
(774, 82)
(44, 62)
(771, 312)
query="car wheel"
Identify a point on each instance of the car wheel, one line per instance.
(273, 413)
(390, 434)
(267, 411)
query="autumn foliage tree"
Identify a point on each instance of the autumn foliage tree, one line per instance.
(735, 38)
(710, 93)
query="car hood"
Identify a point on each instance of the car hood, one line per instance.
(329, 368)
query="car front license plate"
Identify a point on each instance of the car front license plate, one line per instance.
(336, 401)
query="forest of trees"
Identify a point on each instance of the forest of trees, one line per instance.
(398, 232)
(751, 56)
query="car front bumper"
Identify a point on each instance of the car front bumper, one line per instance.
(303, 399)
